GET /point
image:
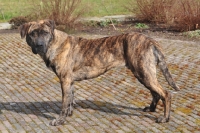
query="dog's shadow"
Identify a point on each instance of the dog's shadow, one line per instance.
(43, 109)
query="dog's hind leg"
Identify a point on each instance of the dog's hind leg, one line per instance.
(152, 107)
(144, 69)
(149, 80)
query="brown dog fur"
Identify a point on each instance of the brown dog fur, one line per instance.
(75, 58)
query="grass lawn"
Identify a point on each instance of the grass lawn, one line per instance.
(106, 7)
(13, 8)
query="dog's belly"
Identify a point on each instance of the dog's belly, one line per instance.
(87, 72)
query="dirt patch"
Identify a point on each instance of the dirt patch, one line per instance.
(9, 31)
(153, 30)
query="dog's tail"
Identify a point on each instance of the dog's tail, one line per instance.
(163, 66)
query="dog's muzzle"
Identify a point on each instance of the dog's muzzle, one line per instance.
(38, 48)
(34, 50)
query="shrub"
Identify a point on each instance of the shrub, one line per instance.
(63, 12)
(182, 15)
(17, 21)
(188, 15)
(152, 10)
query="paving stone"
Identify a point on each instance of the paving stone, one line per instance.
(4, 131)
(120, 131)
(111, 103)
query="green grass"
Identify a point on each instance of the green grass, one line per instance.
(13, 8)
(192, 34)
(141, 26)
(106, 7)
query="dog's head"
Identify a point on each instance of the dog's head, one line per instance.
(38, 35)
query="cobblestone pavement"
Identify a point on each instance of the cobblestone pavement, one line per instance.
(111, 103)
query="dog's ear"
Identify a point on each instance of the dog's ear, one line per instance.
(24, 29)
(51, 24)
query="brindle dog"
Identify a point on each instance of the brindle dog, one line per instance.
(74, 59)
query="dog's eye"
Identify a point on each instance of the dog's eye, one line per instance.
(44, 32)
(33, 34)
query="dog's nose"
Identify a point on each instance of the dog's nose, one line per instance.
(39, 43)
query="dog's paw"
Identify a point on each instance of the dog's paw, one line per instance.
(162, 119)
(70, 113)
(56, 122)
(148, 109)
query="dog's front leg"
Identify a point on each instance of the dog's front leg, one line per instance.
(67, 103)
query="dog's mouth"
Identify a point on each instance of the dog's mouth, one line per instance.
(38, 50)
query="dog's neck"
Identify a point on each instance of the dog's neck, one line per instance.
(59, 38)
